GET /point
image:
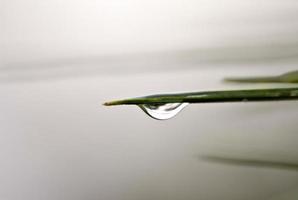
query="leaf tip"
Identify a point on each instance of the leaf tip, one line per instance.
(112, 103)
(107, 104)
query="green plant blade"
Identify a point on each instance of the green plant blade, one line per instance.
(252, 162)
(289, 77)
(276, 94)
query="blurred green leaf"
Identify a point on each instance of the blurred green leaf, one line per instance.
(290, 77)
(251, 162)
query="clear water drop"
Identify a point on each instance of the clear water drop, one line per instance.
(162, 111)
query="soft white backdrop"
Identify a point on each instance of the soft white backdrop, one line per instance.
(61, 59)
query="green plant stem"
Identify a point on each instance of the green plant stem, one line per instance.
(252, 162)
(289, 77)
(214, 96)
(265, 79)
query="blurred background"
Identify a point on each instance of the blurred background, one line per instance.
(61, 59)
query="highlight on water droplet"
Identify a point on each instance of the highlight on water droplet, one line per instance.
(162, 111)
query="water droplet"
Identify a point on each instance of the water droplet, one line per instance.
(162, 111)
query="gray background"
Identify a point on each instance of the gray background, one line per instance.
(61, 59)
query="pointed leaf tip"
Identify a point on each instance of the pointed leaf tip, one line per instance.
(106, 104)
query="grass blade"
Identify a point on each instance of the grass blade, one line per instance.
(290, 77)
(276, 94)
(251, 162)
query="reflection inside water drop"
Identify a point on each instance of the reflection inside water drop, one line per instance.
(162, 111)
